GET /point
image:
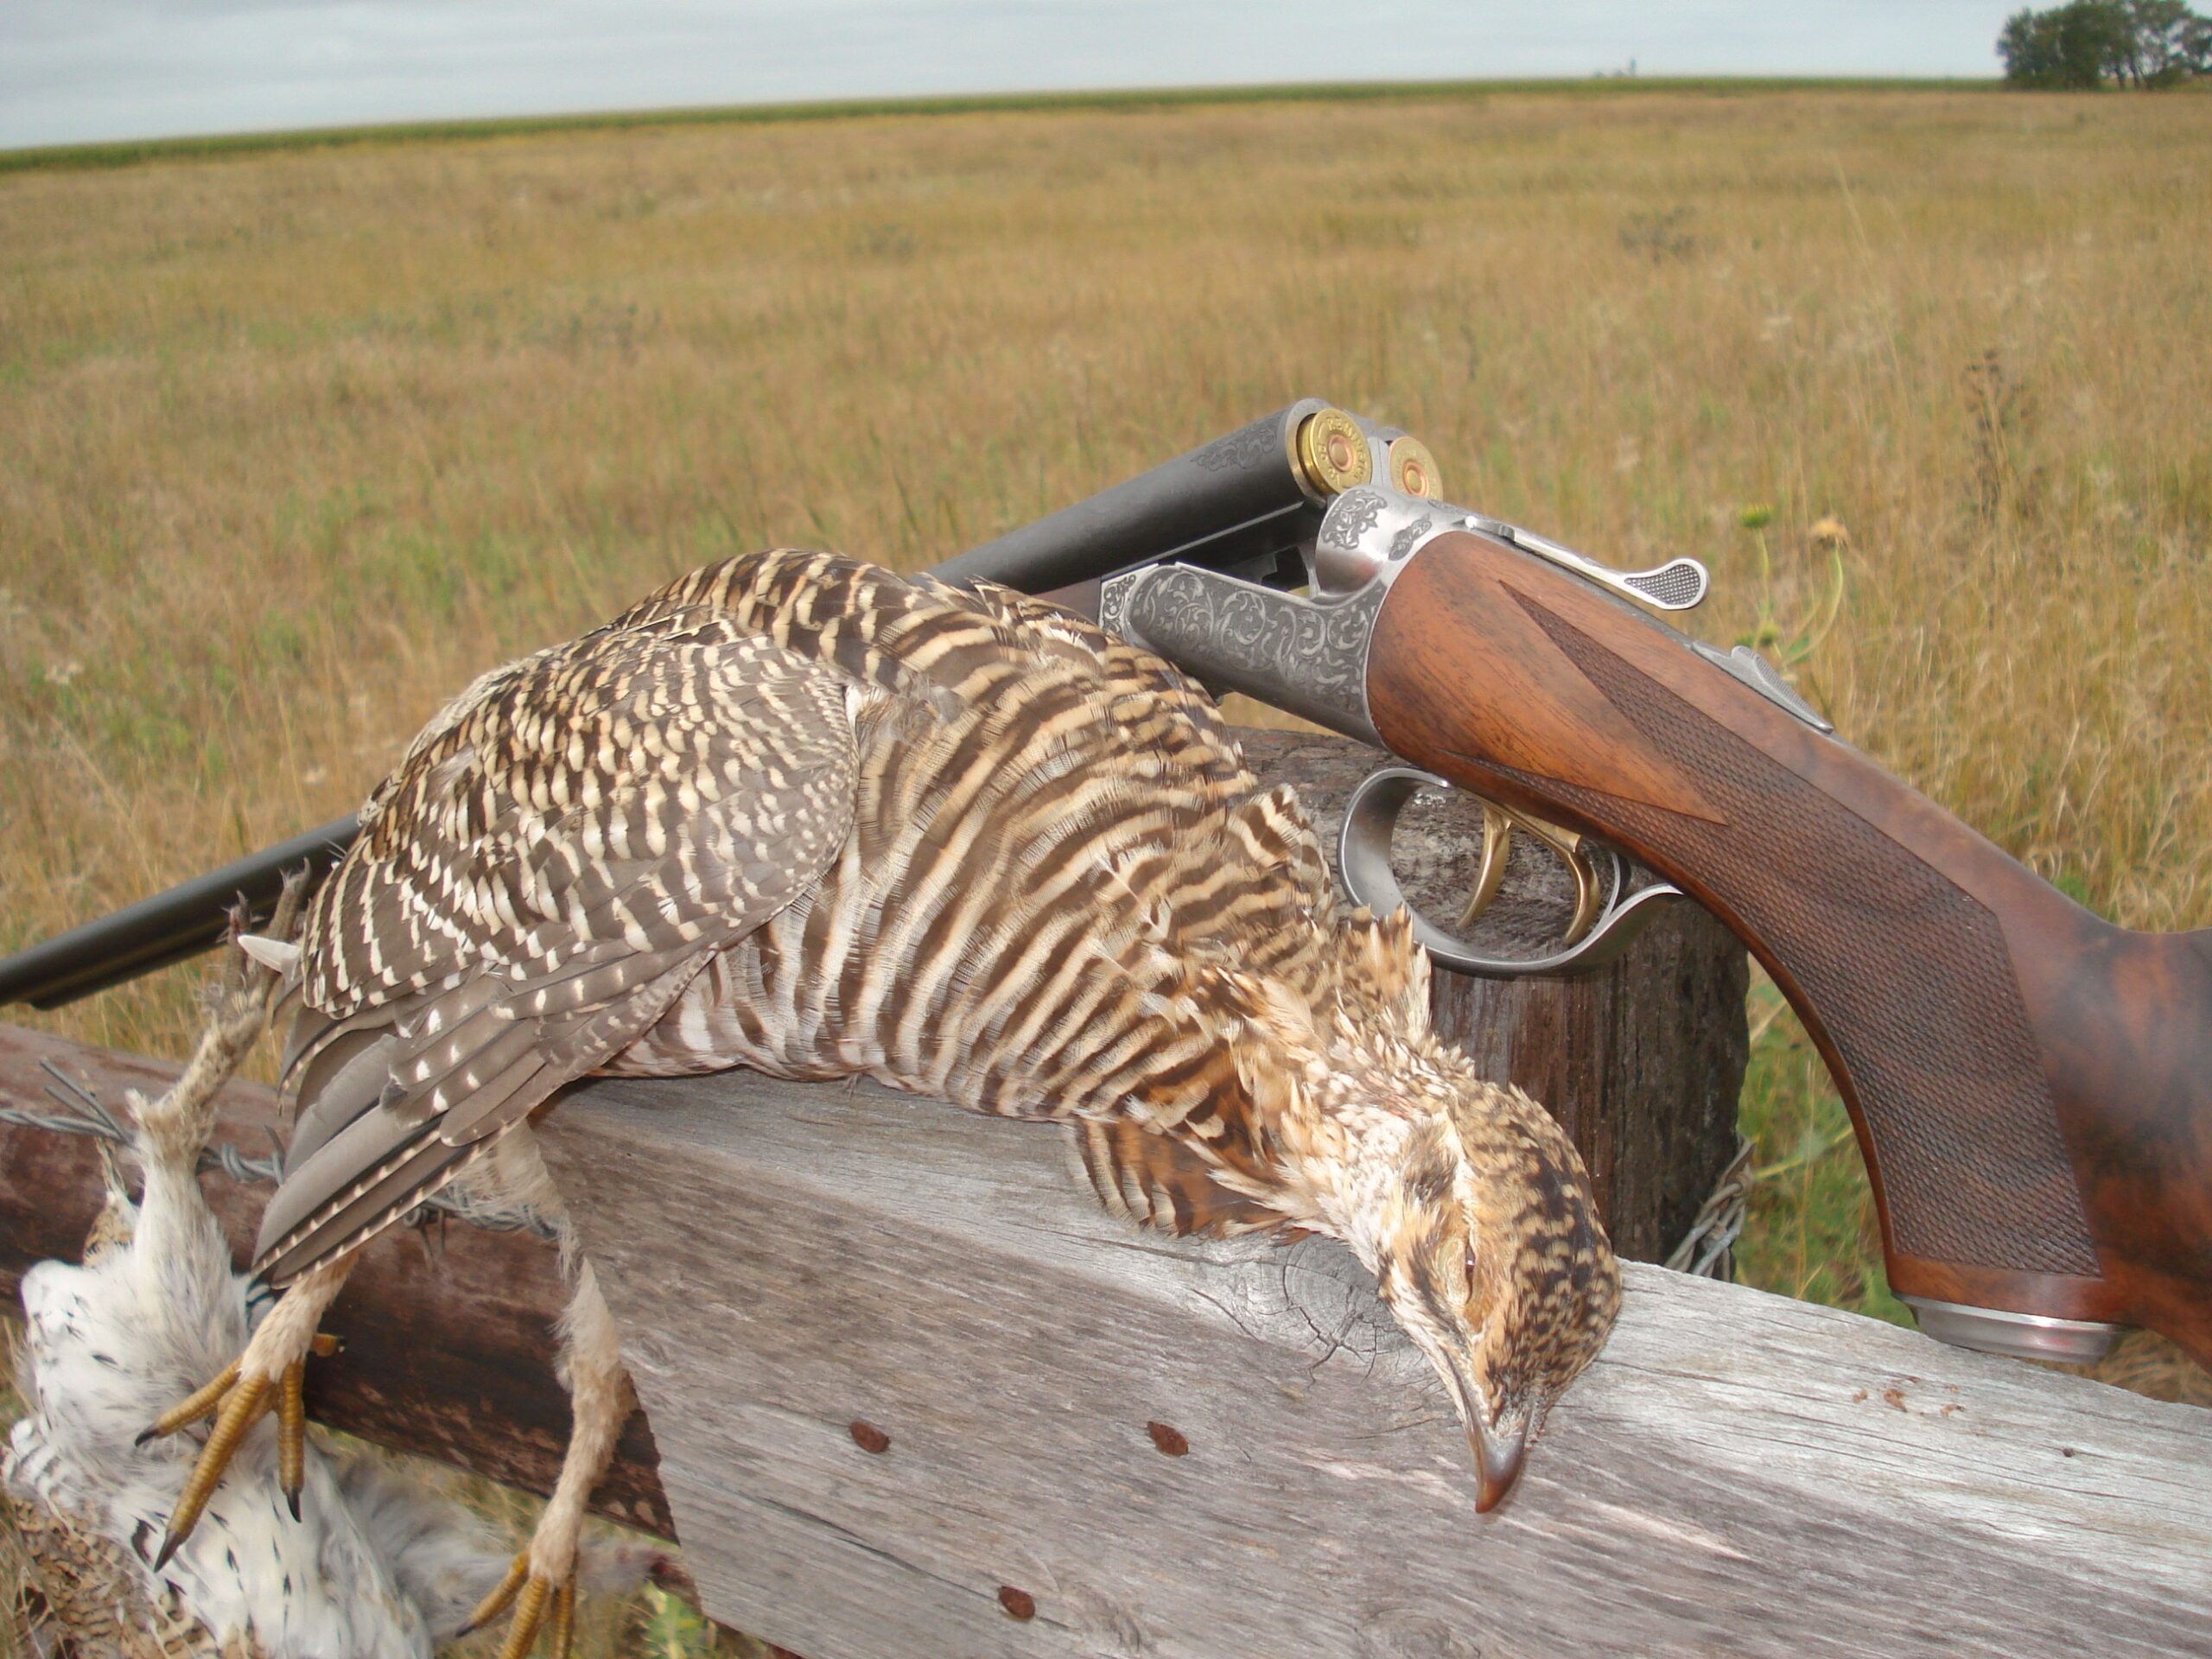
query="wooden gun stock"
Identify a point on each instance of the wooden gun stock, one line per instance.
(2032, 1086)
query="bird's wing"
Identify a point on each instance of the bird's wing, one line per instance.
(557, 856)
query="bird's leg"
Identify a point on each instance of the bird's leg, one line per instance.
(173, 1129)
(541, 1585)
(174, 1224)
(266, 1376)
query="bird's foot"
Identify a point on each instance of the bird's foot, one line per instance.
(543, 1599)
(269, 1376)
(238, 1399)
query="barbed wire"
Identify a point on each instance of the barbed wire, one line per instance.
(84, 1114)
(1708, 1250)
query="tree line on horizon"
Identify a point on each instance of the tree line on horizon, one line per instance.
(2085, 43)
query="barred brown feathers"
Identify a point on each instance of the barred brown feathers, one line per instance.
(797, 813)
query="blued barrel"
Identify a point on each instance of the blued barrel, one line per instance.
(1237, 502)
(168, 927)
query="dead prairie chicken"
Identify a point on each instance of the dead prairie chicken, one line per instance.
(796, 813)
(375, 1568)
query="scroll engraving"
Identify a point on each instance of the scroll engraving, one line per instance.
(1409, 537)
(1246, 447)
(1308, 658)
(1354, 514)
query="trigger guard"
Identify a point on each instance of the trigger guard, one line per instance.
(1363, 860)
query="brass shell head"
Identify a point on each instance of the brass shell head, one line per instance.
(1413, 469)
(1332, 452)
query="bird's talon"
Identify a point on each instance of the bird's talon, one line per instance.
(564, 1619)
(530, 1617)
(502, 1594)
(323, 1345)
(237, 1400)
(247, 1400)
(292, 1434)
(200, 1403)
(539, 1605)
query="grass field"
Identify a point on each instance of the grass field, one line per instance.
(297, 440)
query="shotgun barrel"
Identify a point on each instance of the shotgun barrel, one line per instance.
(1245, 503)
(168, 927)
(1236, 504)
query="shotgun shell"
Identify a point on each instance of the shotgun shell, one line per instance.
(1332, 452)
(1413, 469)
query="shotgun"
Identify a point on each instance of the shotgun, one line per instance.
(2032, 1086)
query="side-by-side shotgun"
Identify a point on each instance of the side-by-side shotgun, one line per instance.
(2031, 1085)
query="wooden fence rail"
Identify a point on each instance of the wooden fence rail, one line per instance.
(914, 1396)
(1738, 1474)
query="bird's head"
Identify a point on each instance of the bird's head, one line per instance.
(1464, 1196)
(1490, 1253)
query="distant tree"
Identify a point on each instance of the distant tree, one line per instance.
(2029, 46)
(2070, 47)
(2022, 50)
(2086, 43)
(2169, 43)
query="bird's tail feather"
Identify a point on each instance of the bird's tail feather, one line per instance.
(415, 1171)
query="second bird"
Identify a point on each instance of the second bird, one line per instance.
(797, 813)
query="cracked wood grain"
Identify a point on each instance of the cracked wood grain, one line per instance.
(1738, 1474)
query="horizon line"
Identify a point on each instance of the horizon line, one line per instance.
(128, 152)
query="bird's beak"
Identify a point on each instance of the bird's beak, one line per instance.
(1499, 1449)
(1499, 1453)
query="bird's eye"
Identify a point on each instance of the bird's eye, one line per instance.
(1468, 1268)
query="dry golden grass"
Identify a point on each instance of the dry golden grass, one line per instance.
(297, 443)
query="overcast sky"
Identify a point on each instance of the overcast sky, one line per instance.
(77, 69)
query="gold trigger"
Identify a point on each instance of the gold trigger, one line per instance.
(1589, 894)
(1497, 847)
(1498, 823)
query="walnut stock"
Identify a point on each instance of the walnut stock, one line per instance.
(2032, 1086)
